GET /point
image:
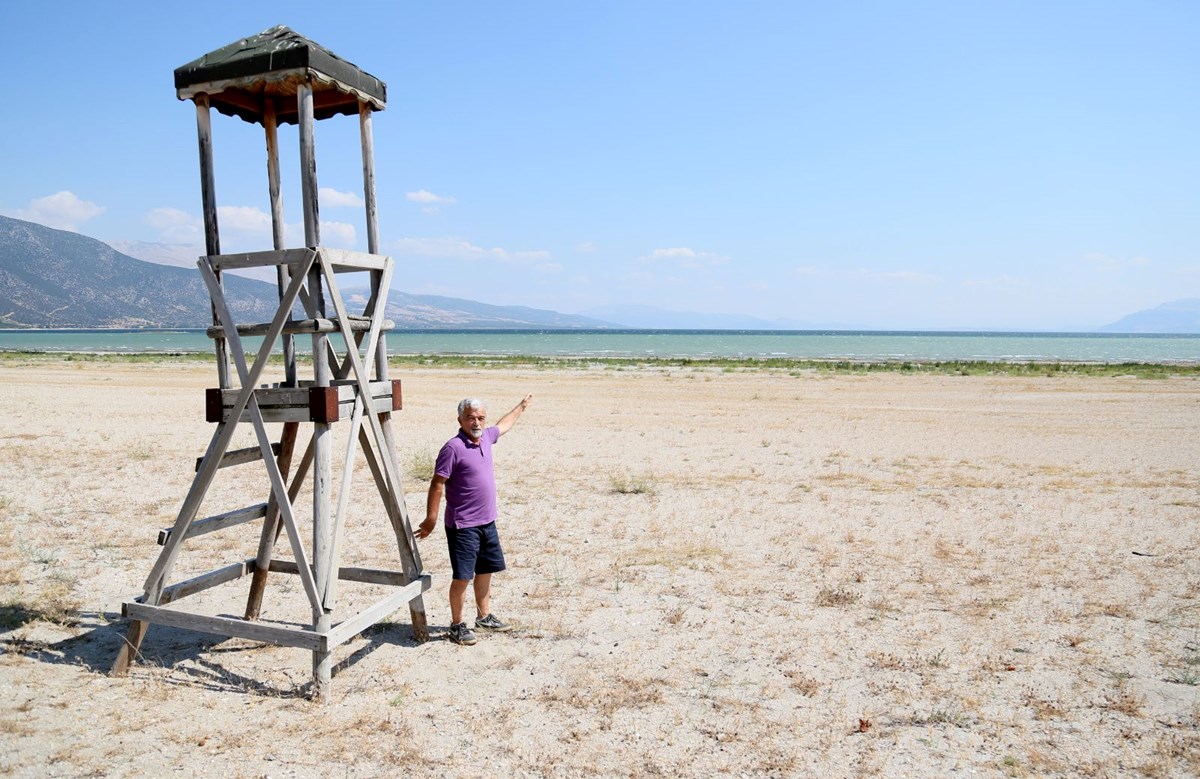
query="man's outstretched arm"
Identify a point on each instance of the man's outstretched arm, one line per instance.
(508, 420)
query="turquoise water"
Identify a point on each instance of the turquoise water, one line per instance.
(992, 347)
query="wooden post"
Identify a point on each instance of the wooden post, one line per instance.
(271, 525)
(410, 557)
(270, 127)
(322, 439)
(212, 235)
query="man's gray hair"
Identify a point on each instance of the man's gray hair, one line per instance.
(467, 403)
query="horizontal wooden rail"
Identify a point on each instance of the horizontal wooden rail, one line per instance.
(218, 522)
(342, 260)
(206, 580)
(305, 403)
(364, 575)
(303, 326)
(305, 638)
(241, 456)
(302, 637)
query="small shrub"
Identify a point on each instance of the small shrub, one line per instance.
(632, 485)
(839, 597)
(421, 464)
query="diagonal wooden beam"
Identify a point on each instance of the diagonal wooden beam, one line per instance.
(249, 377)
(362, 377)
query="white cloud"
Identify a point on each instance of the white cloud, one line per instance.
(175, 225)
(683, 257)
(246, 219)
(338, 234)
(334, 199)
(246, 228)
(427, 197)
(586, 247)
(459, 249)
(62, 211)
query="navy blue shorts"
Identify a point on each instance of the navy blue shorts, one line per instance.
(474, 550)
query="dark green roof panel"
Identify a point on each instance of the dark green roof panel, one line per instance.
(269, 66)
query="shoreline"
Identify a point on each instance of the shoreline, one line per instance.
(1149, 370)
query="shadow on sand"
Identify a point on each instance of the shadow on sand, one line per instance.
(91, 640)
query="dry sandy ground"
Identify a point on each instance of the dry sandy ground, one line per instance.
(712, 573)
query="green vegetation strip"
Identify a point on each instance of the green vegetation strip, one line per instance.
(725, 364)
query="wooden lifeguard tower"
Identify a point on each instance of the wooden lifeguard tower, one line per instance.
(278, 77)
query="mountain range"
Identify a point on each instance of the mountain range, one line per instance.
(55, 278)
(1178, 316)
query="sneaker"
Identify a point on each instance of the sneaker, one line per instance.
(492, 622)
(461, 634)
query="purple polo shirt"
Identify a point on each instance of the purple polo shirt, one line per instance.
(470, 479)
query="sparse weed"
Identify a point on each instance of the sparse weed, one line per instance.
(837, 597)
(421, 464)
(632, 485)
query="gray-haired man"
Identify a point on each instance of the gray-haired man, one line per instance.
(465, 473)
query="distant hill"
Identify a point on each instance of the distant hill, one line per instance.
(1178, 316)
(55, 278)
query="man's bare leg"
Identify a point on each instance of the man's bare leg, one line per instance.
(458, 598)
(483, 594)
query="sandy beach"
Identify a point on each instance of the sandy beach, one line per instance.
(712, 573)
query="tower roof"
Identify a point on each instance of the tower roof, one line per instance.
(240, 77)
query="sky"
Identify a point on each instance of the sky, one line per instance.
(886, 165)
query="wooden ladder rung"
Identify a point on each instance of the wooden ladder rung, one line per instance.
(240, 456)
(217, 522)
(304, 326)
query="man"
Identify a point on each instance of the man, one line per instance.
(464, 472)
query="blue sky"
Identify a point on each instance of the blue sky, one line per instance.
(1005, 165)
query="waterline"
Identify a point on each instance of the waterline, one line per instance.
(679, 344)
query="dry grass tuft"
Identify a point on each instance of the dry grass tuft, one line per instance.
(633, 485)
(839, 597)
(802, 683)
(1125, 701)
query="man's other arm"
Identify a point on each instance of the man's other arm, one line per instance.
(432, 503)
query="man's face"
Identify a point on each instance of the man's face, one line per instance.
(473, 421)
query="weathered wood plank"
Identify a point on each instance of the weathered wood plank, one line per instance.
(216, 522)
(208, 199)
(367, 142)
(225, 626)
(205, 580)
(304, 414)
(300, 327)
(346, 261)
(283, 276)
(273, 524)
(350, 574)
(322, 659)
(276, 395)
(264, 259)
(348, 629)
(240, 456)
(133, 640)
